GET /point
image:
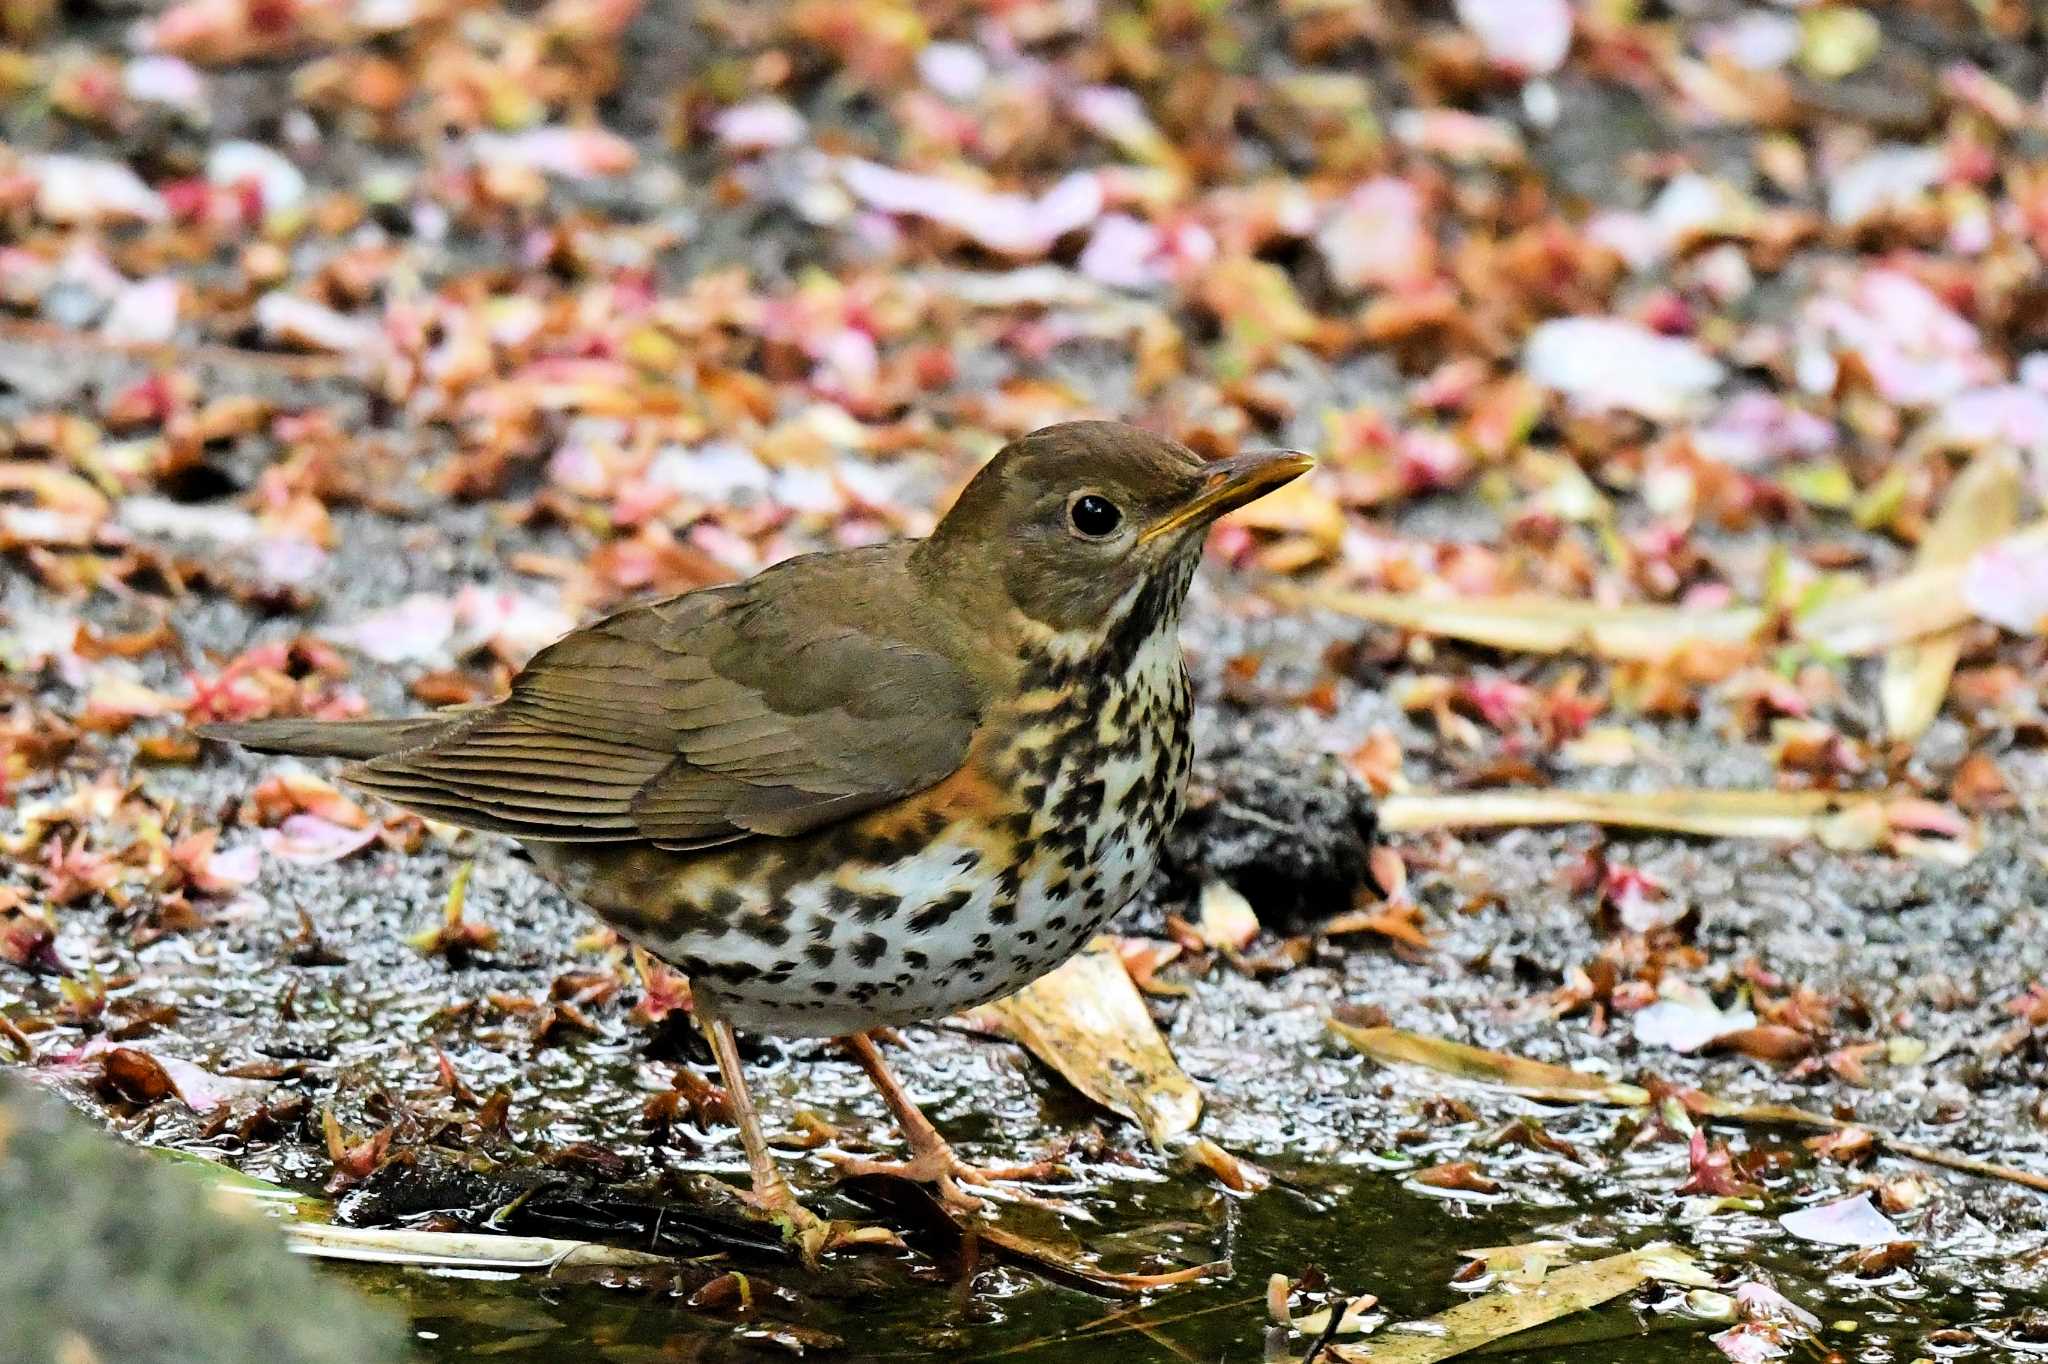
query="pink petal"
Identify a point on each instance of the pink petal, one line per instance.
(514, 625)
(313, 840)
(233, 869)
(2008, 414)
(760, 125)
(1847, 1222)
(302, 322)
(1761, 1302)
(1458, 136)
(1748, 1344)
(416, 630)
(144, 312)
(1608, 362)
(1756, 428)
(1686, 1026)
(164, 80)
(1377, 236)
(2008, 586)
(1124, 253)
(83, 189)
(573, 153)
(1009, 223)
(280, 185)
(1527, 36)
(202, 1090)
(1917, 349)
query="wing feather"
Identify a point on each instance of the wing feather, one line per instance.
(752, 710)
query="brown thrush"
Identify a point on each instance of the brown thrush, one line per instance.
(862, 788)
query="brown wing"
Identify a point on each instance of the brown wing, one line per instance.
(765, 708)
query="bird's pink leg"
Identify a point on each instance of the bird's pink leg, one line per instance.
(932, 1158)
(772, 1193)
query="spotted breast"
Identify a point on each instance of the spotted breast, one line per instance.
(954, 897)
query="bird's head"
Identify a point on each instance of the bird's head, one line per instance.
(1080, 524)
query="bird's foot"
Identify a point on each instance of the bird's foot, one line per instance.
(811, 1234)
(937, 1165)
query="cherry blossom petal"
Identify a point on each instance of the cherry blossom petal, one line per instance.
(1846, 1222)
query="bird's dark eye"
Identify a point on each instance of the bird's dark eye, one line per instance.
(1094, 516)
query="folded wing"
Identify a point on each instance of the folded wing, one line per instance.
(700, 720)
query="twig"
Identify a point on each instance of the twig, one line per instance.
(13, 1033)
(1329, 1331)
(1113, 1324)
(1934, 1155)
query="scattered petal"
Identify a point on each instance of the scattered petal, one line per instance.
(1846, 1222)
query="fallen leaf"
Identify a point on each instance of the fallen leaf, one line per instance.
(1227, 921)
(1088, 1022)
(1533, 1078)
(1982, 505)
(144, 1077)
(1914, 604)
(1563, 1291)
(455, 937)
(1461, 1176)
(1712, 1170)
(1788, 815)
(1236, 1173)
(1547, 625)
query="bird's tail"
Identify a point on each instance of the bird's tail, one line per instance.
(332, 738)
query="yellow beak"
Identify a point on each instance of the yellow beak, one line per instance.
(1230, 484)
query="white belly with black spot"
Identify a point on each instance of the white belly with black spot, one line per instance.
(951, 925)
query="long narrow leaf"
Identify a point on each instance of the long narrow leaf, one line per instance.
(1983, 505)
(1499, 1315)
(1547, 625)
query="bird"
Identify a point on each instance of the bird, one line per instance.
(864, 787)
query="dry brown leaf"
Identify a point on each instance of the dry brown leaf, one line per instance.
(1562, 1291)
(1715, 814)
(1546, 625)
(1534, 1078)
(1088, 1022)
(1908, 607)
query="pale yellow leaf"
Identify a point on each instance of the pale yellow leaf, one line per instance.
(1088, 1022)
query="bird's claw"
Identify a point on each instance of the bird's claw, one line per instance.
(812, 1235)
(945, 1173)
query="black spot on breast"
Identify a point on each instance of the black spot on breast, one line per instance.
(875, 908)
(819, 954)
(764, 930)
(938, 911)
(868, 949)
